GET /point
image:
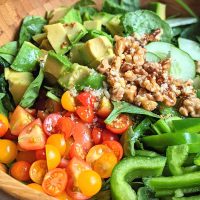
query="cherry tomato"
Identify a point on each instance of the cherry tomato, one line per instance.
(4, 125)
(20, 170)
(105, 108)
(116, 148)
(77, 150)
(50, 123)
(32, 137)
(120, 124)
(42, 115)
(86, 99)
(69, 143)
(68, 102)
(63, 196)
(28, 156)
(31, 111)
(19, 119)
(55, 182)
(58, 141)
(53, 156)
(38, 170)
(36, 186)
(3, 168)
(89, 182)
(65, 126)
(96, 152)
(107, 135)
(10, 136)
(86, 113)
(97, 135)
(40, 154)
(8, 151)
(52, 106)
(105, 164)
(82, 135)
(63, 163)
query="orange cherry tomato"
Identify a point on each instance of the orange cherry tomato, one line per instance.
(120, 124)
(36, 186)
(116, 148)
(53, 156)
(89, 182)
(68, 102)
(77, 150)
(105, 164)
(63, 196)
(28, 156)
(20, 170)
(58, 140)
(38, 170)
(3, 168)
(55, 182)
(4, 125)
(96, 152)
(86, 113)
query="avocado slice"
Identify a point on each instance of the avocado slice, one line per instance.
(38, 38)
(46, 45)
(18, 83)
(54, 66)
(27, 58)
(57, 14)
(57, 36)
(68, 79)
(75, 31)
(72, 15)
(159, 9)
(76, 52)
(93, 24)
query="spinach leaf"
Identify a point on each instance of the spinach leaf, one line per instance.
(182, 21)
(3, 62)
(192, 32)
(144, 22)
(2, 108)
(32, 91)
(120, 6)
(8, 58)
(31, 25)
(124, 107)
(54, 93)
(9, 48)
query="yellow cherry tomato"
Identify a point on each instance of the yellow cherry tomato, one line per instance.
(58, 140)
(89, 182)
(105, 164)
(68, 102)
(63, 196)
(4, 125)
(36, 186)
(8, 151)
(53, 156)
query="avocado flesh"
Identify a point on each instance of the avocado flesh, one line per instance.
(68, 79)
(57, 37)
(93, 24)
(46, 45)
(159, 9)
(18, 83)
(39, 37)
(103, 17)
(57, 14)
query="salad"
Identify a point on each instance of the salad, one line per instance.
(103, 104)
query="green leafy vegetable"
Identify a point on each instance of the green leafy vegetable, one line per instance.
(124, 107)
(182, 21)
(31, 25)
(2, 108)
(145, 194)
(9, 48)
(4, 63)
(192, 32)
(144, 22)
(32, 91)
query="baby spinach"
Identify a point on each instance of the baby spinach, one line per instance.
(31, 25)
(192, 32)
(124, 107)
(144, 22)
(182, 21)
(2, 108)
(3, 62)
(32, 91)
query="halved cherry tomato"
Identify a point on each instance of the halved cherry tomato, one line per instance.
(31, 111)
(86, 113)
(58, 141)
(86, 99)
(20, 170)
(3, 168)
(19, 119)
(105, 164)
(36, 186)
(96, 152)
(65, 126)
(69, 143)
(53, 156)
(77, 150)
(89, 182)
(68, 102)
(105, 108)
(28, 156)
(108, 135)
(63, 196)
(50, 122)
(40, 154)
(82, 135)
(97, 135)
(38, 170)
(42, 115)
(52, 106)
(32, 137)
(4, 125)
(120, 124)
(63, 163)
(8, 151)
(116, 148)
(55, 182)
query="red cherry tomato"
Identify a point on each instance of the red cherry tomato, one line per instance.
(63, 163)
(77, 150)
(107, 135)
(32, 137)
(85, 113)
(28, 156)
(97, 135)
(40, 154)
(86, 99)
(120, 124)
(50, 122)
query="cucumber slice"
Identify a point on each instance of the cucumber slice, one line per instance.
(182, 67)
(151, 57)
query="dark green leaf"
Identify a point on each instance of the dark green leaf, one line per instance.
(145, 22)
(3, 62)
(192, 32)
(9, 48)
(102, 195)
(182, 21)
(124, 107)
(31, 25)
(8, 58)
(167, 112)
(55, 90)
(32, 91)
